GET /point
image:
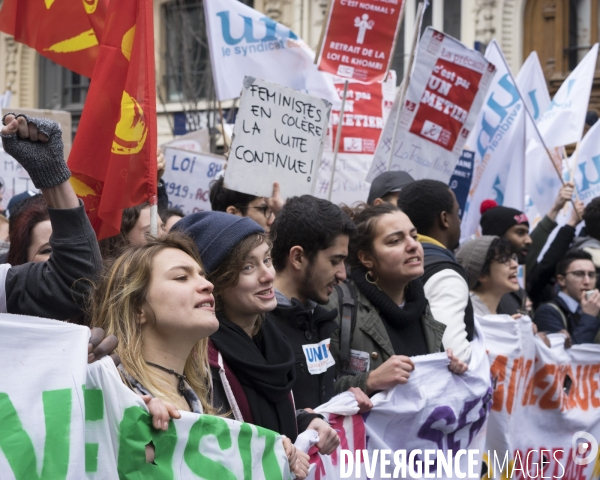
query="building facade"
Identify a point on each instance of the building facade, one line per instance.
(561, 31)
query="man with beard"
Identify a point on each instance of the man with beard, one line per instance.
(310, 243)
(513, 225)
(433, 210)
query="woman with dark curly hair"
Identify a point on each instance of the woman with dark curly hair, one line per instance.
(29, 232)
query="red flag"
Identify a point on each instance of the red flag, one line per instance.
(65, 31)
(113, 159)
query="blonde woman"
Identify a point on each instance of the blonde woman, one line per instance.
(156, 300)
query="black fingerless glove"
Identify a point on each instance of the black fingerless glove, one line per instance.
(44, 162)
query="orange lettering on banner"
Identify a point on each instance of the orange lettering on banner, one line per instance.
(548, 400)
(594, 370)
(581, 391)
(512, 386)
(498, 371)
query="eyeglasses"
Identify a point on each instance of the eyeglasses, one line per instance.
(580, 274)
(264, 209)
(507, 260)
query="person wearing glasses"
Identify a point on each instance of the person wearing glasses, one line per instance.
(260, 209)
(577, 304)
(491, 268)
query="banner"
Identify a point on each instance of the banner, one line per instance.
(587, 171)
(436, 413)
(563, 122)
(359, 39)
(498, 141)
(188, 176)
(245, 42)
(446, 90)
(278, 137)
(545, 402)
(460, 183)
(70, 420)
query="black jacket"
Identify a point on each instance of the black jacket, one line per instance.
(303, 326)
(581, 326)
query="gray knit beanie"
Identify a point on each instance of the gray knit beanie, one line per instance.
(471, 255)
(216, 234)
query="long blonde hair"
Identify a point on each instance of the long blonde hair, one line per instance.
(115, 306)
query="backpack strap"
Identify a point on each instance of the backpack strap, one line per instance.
(347, 301)
(561, 313)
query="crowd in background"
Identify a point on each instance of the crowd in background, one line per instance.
(263, 309)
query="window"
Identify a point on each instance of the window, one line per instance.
(61, 89)
(187, 69)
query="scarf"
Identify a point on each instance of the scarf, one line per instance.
(267, 374)
(403, 325)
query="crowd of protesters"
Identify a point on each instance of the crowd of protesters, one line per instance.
(216, 313)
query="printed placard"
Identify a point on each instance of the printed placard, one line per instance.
(318, 358)
(445, 93)
(359, 38)
(188, 176)
(278, 136)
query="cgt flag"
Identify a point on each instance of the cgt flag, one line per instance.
(66, 32)
(113, 160)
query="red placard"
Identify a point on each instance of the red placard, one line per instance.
(359, 38)
(363, 118)
(448, 96)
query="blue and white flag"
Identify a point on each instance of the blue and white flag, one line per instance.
(587, 172)
(245, 42)
(563, 122)
(498, 141)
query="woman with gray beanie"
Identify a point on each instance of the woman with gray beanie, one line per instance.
(491, 268)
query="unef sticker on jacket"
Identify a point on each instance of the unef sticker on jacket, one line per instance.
(318, 357)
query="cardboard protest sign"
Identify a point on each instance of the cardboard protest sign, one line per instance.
(13, 177)
(446, 91)
(278, 136)
(195, 141)
(359, 38)
(188, 176)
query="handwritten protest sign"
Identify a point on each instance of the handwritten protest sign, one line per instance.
(444, 96)
(461, 179)
(278, 136)
(13, 177)
(359, 38)
(188, 176)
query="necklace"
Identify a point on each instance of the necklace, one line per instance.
(179, 376)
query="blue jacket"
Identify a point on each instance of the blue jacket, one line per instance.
(581, 326)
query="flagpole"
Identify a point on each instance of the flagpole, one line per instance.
(154, 219)
(405, 80)
(225, 146)
(573, 168)
(338, 137)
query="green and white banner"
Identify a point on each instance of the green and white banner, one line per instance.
(61, 418)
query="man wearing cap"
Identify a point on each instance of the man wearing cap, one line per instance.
(433, 210)
(513, 225)
(386, 187)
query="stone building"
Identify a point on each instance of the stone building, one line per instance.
(561, 31)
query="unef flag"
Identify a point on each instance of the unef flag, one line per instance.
(113, 160)
(66, 32)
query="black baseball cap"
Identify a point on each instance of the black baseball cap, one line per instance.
(388, 182)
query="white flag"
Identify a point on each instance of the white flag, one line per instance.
(245, 42)
(541, 180)
(587, 172)
(498, 141)
(562, 124)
